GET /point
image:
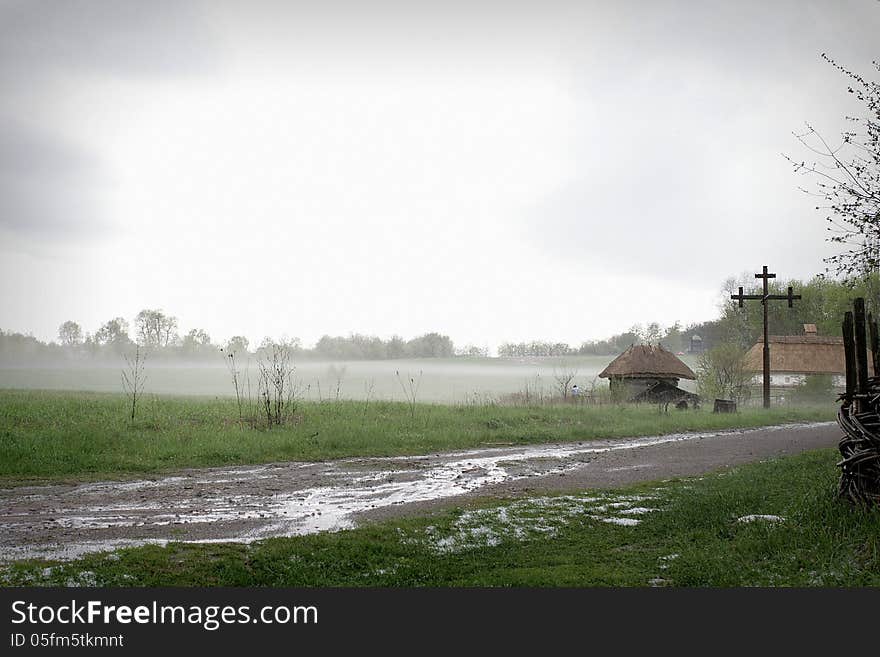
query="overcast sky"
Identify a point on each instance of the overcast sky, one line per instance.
(496, 171)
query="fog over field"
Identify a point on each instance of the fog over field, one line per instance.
(435, 380)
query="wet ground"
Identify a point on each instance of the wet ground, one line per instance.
(285, 499)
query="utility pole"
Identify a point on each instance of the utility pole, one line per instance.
(764, 299)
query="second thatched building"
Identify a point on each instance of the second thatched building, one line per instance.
(795, 357)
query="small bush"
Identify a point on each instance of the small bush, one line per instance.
(815, 388)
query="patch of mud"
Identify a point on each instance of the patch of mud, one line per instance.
(244, 504)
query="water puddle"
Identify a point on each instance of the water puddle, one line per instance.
(244, 504)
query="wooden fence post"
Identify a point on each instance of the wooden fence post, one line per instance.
(849, 352)
(861, 343)
(875, 344)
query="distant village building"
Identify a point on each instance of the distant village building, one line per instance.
(794, 357)
(696, 345)
(649, 373)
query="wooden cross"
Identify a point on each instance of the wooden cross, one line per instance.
(764, 299)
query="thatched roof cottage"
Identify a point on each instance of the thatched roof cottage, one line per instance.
(649, 373)
(794, 357)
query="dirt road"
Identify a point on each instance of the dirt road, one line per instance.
(285, 499)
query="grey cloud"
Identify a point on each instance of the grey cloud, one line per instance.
(48, 209)
(115, 37)
(25, 152)
(47, 187)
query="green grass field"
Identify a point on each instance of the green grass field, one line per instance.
(689, 533)
(57, 436)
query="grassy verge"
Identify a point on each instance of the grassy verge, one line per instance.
(680, 533)
(58, 436)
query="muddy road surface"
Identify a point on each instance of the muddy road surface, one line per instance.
(248, 503)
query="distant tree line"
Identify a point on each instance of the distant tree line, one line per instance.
(823, 302)
(365, 347)
(536, 348)
(157, 332)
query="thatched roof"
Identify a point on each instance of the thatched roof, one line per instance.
(647, 362)
(801, 354)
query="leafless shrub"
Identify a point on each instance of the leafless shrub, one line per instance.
(336, 374)
(133, 378)
(563, 374)
(410, 389)
(237, 382)
(276, 387)
(369, 387)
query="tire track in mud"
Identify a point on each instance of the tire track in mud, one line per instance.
(247, 503)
